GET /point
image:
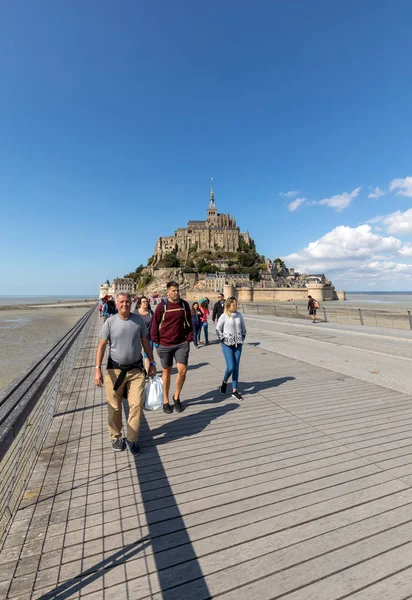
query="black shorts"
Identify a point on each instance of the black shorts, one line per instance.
(312, 311)
(180, 353)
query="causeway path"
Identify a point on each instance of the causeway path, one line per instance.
(375, 354)
(302, 491)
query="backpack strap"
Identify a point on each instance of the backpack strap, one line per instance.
(164, 304)
(182, 306)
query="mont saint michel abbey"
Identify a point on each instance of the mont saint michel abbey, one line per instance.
(218, 232)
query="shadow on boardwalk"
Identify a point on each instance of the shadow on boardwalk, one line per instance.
(185, 426)
(76, 584)
(248, 388)
(181, 567)
(173, 569)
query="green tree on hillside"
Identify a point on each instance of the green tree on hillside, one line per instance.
(169, 261)
(136, 274)
(247, 259)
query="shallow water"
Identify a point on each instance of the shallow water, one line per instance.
(379, 300)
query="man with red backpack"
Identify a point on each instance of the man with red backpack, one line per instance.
(171, 332)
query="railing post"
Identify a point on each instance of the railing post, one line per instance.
(275, 309)
(360, 316)
(297, 310)
(410, 319)
(325, 318)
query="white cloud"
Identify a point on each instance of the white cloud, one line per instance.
(344, 244)
(403, 187)
(376, 193)
(406, 250)
(340, 201)
(294, 205)
(397, 223)
(291, 194)
(358, 258)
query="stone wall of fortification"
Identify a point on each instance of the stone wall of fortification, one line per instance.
(321, 292)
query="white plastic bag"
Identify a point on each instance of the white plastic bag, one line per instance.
(154, 393)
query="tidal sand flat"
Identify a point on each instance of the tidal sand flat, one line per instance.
(26, 334)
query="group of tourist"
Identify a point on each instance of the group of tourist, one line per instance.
(107, 307)
(200, 313)
(169, 328)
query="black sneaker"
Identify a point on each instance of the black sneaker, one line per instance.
(134, 448)
(237, 396)
(167, 408)
(178, 405)
(118, 445)
(223, 387)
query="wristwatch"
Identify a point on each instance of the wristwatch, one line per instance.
(152, 364)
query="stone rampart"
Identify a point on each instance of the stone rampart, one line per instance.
(321, 292)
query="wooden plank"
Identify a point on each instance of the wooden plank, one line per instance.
(292, 492)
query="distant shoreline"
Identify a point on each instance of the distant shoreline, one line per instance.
(59, 304)
(381, 293)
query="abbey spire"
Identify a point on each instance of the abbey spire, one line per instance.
(212, 210)
(212, 195)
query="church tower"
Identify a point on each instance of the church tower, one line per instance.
(212, 210)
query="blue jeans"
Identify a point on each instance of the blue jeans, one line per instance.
(205, 327)
(196, 335)
(232, 356)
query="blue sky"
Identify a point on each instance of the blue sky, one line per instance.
(114, 116)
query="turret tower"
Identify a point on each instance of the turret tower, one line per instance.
(212, 210)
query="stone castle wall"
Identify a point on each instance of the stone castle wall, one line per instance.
(321, 292)
(217, 232)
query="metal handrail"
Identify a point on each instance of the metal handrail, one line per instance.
(27, 407)
(22, 394)
(354, 315)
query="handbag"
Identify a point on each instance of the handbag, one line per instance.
(154, 393)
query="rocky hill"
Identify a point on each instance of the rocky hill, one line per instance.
(190, 273)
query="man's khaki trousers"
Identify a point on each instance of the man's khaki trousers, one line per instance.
(134, 381)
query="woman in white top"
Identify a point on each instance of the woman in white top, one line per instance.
(231, 331)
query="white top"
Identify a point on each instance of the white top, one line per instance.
(231, 330)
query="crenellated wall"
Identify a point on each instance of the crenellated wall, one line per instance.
(321, 292)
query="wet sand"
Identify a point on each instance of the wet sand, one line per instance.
(27, 333)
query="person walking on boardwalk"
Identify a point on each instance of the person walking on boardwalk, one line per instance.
(196, 323)
(125, 333)
(143, 309)
(171, 333)
(231, 331)
(205, 325)
(218, 308)
(312, 306)
(105, 309)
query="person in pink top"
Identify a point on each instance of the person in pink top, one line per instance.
(203, 319)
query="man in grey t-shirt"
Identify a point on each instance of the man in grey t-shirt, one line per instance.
(125, 333)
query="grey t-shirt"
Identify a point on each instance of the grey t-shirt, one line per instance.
(124, 337)
(146, 318)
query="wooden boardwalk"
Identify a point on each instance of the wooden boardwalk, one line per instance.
(302, 491)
